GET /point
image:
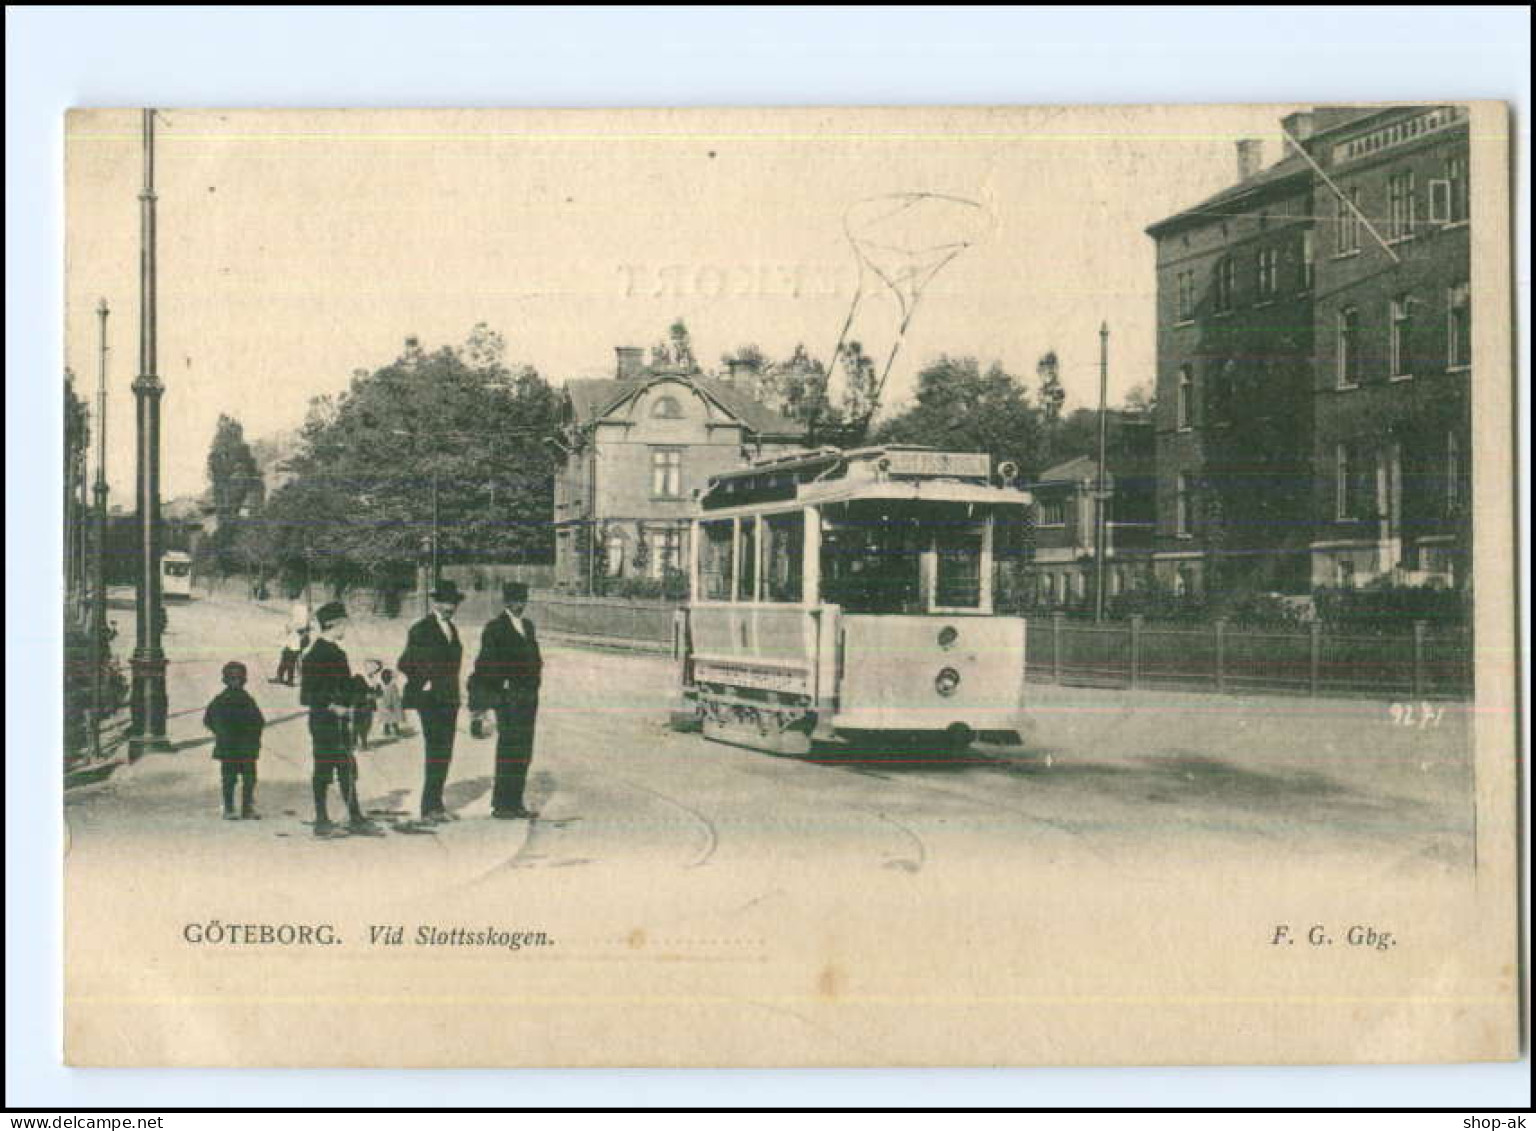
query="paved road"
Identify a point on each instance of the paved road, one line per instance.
(1108, 778)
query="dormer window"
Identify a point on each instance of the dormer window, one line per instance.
(667, 408)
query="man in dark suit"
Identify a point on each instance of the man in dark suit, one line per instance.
(506, 679)
(430, 664)
(325, 687)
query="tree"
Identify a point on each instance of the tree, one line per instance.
(1051, 395)
(860, 394)
(233, 478)
(455, 423)
(751, 353)
(679, 348)
(961, 408)
(1141, 398)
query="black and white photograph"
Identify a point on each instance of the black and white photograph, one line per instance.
(788, 587)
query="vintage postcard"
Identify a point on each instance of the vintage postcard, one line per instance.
(986, 586)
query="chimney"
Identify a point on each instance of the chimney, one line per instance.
(1300, 125)
(630, 361)
(1250, 157)
(741, 373)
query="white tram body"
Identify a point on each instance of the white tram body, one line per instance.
(176, 576)
(837, 594)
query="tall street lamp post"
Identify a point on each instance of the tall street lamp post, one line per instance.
(149, 704)
(100, 643)
(1101, 492)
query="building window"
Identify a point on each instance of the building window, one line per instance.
(614, 551)
(1308, 261)
(1456, 174)
(1053, 512)
(1185, 401)
(1347, 222)
(1400, 206)
(1355, 485)
(1452, 474)
(666, 551)
(1181, 514)
(1399, 359)
(1349, 347)
(1345, 573)
(1226, 284)
(1341, 499)
(1184, 581)
(1269, 272)
(1048, 588)
(1186, 296)
(1459, 327)
(666, 473)
(667, 408)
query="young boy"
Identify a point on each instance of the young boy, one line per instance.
(326, 688)
(237, 724)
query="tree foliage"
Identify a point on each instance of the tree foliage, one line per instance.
(1051, 395)
(961, 407)
(233, 478)
(456, 427)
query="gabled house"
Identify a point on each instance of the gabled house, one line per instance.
(637, 448)
(1063, 567)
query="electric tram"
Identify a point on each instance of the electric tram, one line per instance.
(848, 595)
(176, 576)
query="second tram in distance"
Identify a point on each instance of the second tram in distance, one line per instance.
(848, 594)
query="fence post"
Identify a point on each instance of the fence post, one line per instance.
(1315, 659)
(1135, 650)
(1419, 628)
(1221, 653)
(1056, 619)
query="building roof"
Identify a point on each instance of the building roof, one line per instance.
(1075, 469)
(1276, 174)
(591, 399)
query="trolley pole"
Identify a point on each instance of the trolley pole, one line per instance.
(1101, 492)
(101, 645)
(149, 706)
(437, 573)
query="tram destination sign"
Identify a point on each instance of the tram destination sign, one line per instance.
(966, 465)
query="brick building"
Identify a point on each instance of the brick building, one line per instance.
(1062, 568)
(1391, 423)
(638, 447)
(1313, 360)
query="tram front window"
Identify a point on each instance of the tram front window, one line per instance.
(870, 559)
(715, 561)
(783, 547)
(957, 584)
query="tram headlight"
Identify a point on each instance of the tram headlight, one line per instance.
(947, 682)
(947, 637)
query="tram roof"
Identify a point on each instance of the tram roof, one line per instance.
(888, 471)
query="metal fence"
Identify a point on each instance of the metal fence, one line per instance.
(1423, 663)
(647, 624)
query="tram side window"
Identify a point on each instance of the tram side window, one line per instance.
(746, 590)
(783, 556)
(958, 585)
(869, 561)
(715, 561)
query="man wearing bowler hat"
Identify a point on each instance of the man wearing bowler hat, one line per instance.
(430, 664)
(506, 680)
(325, 687)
